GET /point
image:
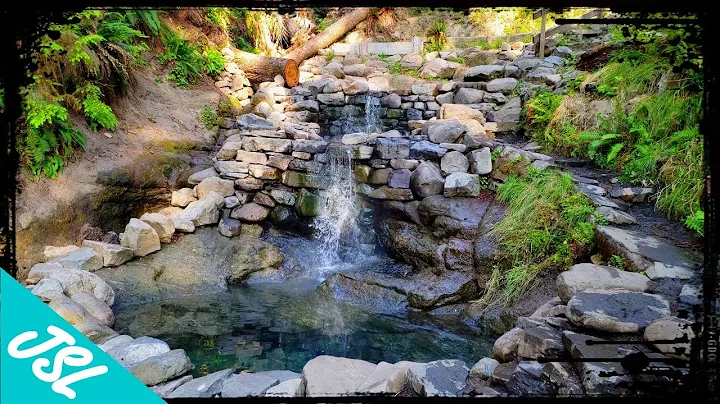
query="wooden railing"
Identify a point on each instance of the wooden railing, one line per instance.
(539, 39)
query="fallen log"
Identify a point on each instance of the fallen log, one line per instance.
(330, 35)
(260, 68)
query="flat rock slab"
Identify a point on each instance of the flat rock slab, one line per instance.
(444, 378)
(640, 249)
(585, 276)
(289, 388)
(206, 386)
(363, 294)
(328, 376)
(598, 378)
(528, 380)
(426, 290)
(615, 311)
(247, 385)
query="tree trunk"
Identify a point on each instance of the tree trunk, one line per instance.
(259, 68)
(330, 35)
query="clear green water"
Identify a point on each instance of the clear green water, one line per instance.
(269, 326)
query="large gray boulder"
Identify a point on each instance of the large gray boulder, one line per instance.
(671, 329)
(138, 350)
(585, 276)
(389, 148)
(481, 161)
(328, 376)
(505, 348)
(444, 378)
(527, 379)
(454, 162)
(446, 131)
(288, 388)
(95, 307)
(112, 254)
(461, 184)
(83, 258)
(248, 385)
(469, 96)
(598, 378)
(504, 85)
(164, 389)
(427, 180)
(162, 225)
(140, 237)
(206, 386)
(47, 289)
(52, 252)
(540, 342)
(439, 68)
(201, 213)
(219, 185)
(393, 378)
(427, 150)
(452, 216)
(615, 310)
(483, 72)
(73, 280)
(160, 368)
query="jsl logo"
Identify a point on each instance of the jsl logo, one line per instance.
(70, 355)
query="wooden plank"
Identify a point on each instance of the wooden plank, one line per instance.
(538, 13)
(541, 49)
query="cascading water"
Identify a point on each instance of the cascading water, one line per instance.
(372, 115)
(337, 224)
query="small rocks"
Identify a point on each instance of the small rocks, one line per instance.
(635, 195)
(251, 212)
(183, 197)
(481, 161)
(229, 227)
(616, 216)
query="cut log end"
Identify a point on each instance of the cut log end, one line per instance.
(292, 73)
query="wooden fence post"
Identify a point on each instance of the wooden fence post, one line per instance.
(541, 45)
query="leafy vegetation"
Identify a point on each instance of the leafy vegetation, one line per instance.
(437, 37)
(617, 262)
(499, 21)
(330, 56)
(548, 225)
(209, 117)
(652, 133)
(496, 44)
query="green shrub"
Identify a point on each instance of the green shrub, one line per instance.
(437, 36)
(696, 222)
(617, 262)
(395, 67)
(330, 56)
(245, 46)
(209, 117)
(496, 44)
(214, 62)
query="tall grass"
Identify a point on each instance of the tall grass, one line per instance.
(548, 225)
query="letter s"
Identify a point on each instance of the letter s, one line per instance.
(82, 357)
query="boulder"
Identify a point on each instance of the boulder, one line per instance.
(247, 385)
(328, 376)
(251, 157)
(598, 378)
(83, 258)
(354, 138)
(391, 101)
(613, 215)
(262, 144)
(249, 184)
(483, 73)
(97, 333)
(199, 176)
(231, 168)
(219, 185)
(527, 380)
(309, 146)
(469, 96)
(484, 368)
(540, 342)
(359, 293)
(162, 225)
(445, 378)
(661, 270)
(394, 194)
(307, 204)
(454, 162)
(206, 386)
(427, 180)
(585, 276)
(283, 197)
(112, 254)
(182, 197)
(460, 184)
(390, 148)
(52, 252)
(640, 250)
(250, 212)
(160, 368)
(95, 307)
(47, 289)
(289, 388)
(332, 99)
(671, 329)
(400, 178)
(459, 255)
(439, 68)
(404, 164)
(138, 350)
(503, 85)
(163, 389)
(615, 310)
(229, 227)
(379, 176)
(481, 161)
(73, 280)
(427, 150)
(452, 216)
(140, 237)
(392, 378)
(200, 213)
(264, 172)
(253, 122)
(69, 310)
(505, 348)
(447, 131)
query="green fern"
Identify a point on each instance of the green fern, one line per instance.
(97, 111)
(696, 222)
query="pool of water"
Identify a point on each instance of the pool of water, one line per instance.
(282, 325)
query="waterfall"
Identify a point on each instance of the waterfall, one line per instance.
(372, 115)
(337, 224)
